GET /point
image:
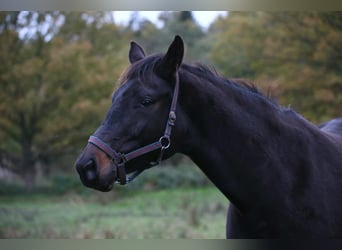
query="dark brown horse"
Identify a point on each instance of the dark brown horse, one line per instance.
(282, 174)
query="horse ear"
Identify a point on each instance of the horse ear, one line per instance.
(136, 52)
(172, 59)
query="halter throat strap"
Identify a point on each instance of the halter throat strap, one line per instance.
(119, 159)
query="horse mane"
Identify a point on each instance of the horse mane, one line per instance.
(210, 73)
(146, 67)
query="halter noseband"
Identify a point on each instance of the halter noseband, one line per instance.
(119, 159)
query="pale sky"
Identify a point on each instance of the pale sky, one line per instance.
(204, 18)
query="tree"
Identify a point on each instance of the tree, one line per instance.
(55, 86)
(307, 52)
(154, 39)
(238, 43)
(22, 95)
(295, 54)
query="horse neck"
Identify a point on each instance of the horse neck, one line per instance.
(229, 135)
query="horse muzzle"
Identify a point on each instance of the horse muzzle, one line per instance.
(95, 171)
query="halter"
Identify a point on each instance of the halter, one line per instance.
(119, 159)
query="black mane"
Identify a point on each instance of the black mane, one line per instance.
(147, 66)
(210, 73)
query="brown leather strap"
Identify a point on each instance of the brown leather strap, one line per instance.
(122, 174)
(104, 147)
(143, 150)
(171, 122)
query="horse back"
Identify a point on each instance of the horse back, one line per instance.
(334, 126)
(333, 129)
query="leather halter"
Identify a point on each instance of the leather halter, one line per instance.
(119, 159)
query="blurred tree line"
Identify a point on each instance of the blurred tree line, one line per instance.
(59, 69)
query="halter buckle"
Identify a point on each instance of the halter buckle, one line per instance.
(172, 118)
(119, 159)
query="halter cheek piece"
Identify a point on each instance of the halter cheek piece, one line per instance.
(119, 159)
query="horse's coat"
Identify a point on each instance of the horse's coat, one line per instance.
(282, 174)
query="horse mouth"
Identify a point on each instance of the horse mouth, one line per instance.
(106, 188)
(99, 187)
(104, 184)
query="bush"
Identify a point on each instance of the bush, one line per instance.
(165, 177)
(62, 183)
(11, 188)
(161, 177)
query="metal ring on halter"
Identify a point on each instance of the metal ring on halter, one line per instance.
(165, 142)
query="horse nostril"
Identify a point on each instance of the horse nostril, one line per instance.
(90, 170)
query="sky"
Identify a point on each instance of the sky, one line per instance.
(204, 18)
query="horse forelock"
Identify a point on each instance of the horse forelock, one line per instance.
(142, 69)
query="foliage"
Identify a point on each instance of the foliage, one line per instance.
(297, 55)
(154, 39)
(238, 43)
(312, 65)
(54, 89)
(162, 177)
(168, 177)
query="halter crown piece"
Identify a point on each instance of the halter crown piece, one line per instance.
(119, 159)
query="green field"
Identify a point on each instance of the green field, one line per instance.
(172, 213)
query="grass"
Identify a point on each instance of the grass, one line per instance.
(168, 214)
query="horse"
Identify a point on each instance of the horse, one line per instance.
(281, 173)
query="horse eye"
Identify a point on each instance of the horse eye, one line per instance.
(147, 101)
